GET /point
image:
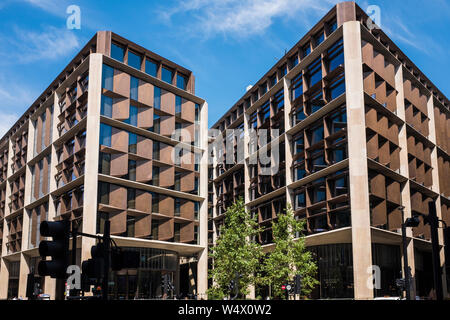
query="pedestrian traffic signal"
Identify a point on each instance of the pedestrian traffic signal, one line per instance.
(93, 268)
(58, 249)
(298, 284)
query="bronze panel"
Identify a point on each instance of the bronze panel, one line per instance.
(166, 177)
(167, 125)
(166, 206)
(121, 83)
(167, 102)
(143, 200)
(121, 109)
(143, 170)
(145, 117)
(187, 182)
(118, 196)
(119, 139)
(119, 164)
(143, 226)
(166, 153)
(118, 222)
(187, 232)
(187, 209)
(166, 230)
(144, 147)
(188, 110)
(145, 93)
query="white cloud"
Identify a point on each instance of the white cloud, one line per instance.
(243, 18)
(55, 7)
(7, 121)
(25, 46)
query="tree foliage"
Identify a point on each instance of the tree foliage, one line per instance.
(289, 256)
(235, 252)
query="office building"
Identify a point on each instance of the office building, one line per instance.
(362, 132)
(99, 144)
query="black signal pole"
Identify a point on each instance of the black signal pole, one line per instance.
(107, 252)
(74, 292)
(405, 263)
(434, 225)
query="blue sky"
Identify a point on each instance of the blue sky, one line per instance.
(228, 44)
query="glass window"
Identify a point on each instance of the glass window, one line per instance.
(104, 163)
(134, 87)
(178, 106)
(176, 237)
(155, 176)
(103, 190)
(263, 88)
(107, 77)
(335, 56)
(283, 70)
(299, 144)
(316, 135)
(337, 88)
(293, 61)
(196, 209)
(134, 60)
(300, 201)
(278, 101)
(132, 119)
(273, 80)
(332, 26)
(157, 97)
(106, 107)
(151, 67)
(131, 198)
(156, 148)
(167, 75)
(156, 123)
(117, 52)
(155, 227)
(105, 135)
(316, 102)
(314, 72)
(306, 50)
(132, 170)
(155, 204)
(177, 207)
(132, 142)
(318, 192)
(197, 112)
(181, 81)
(319, 38)
(297, 87)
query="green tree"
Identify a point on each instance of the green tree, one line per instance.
(235, 252)
(289, 256)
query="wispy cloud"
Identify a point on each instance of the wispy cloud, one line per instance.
(25, 46)
(14, 94)
(7, 122)
(241, 18)
(55, 7)
(399, 31)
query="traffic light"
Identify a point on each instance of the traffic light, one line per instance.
(298, 284)
(232, 286)
(57, 249)
(124, 259)
(33, 287)
(93, 268)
